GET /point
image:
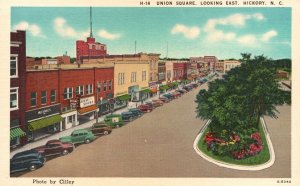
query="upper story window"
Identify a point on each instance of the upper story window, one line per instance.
(13, 66)
(79, 90)
(33, 99)
(104, 86)
(14, 99)
(121, 78)
(43, 97)
(109, 85)
(133, 77)
(89, 89)
(53, 96)
(144, 75)
(68, 93)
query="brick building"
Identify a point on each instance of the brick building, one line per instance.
(89, 48)
(17, 88)
(58, 99)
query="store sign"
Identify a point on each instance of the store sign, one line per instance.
(88, 101)
(42, 112)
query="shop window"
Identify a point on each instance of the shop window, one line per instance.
(53, 96)
(14, 99)
(68, 93)
(70, 119)
(89, 89)
(43, 97)
(33, 99)
(109, 85)
(13, 66)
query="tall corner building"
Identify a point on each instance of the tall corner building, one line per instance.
(89, 48)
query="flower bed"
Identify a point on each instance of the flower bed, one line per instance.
(232, 148)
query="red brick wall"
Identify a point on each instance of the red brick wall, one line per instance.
(82, 49)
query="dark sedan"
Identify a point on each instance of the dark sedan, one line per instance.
(55, 147)
(137, 112)
(128, 116)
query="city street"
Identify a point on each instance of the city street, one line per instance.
(160, 144)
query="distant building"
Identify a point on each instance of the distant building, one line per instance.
(230, 64)
(212, 60)
(89, 48)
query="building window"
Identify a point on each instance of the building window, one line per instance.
(144, 75)
(133, 77)
(14, 99)
(109, 85)
(53, 96)
(89, 89)
(43, 97)
(70, 119)
(13, 66)
(68, 93)
(33, 99)
(79, 90)
(104, 86)
(121, 78)
(99, 86)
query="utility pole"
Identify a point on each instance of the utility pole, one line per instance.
(91, 23)
(134, 47)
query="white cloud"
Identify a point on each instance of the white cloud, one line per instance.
(268, 35)
(188, 32)
(237, 20)
(249, 40)
(63, 29)
(107, 35)
(33, 29)
(219, 35)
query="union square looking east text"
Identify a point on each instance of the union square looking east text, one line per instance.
(211, 3)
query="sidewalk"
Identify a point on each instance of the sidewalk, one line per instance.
(81, 126)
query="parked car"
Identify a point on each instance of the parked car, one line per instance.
(55, 147)
(182, 91)
(145, 108)
(169, 96)
(26, 160)
(187, 88)
(114, 120)
(101, 128)
(128, 116)
(158, 102)
(175, 94)
(137, 112)
(79, 136)
(194, 85)
(164, 99)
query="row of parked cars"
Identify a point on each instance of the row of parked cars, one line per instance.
(35, 158)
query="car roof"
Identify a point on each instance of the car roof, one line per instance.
(54, 141)
(112, 115)
(26, 153)
(126, 112)
(100, 124)
(80, 130)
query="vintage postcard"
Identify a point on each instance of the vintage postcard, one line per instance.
(150, 92)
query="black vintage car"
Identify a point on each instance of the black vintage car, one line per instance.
(136, 112)
(128, 116)
(26, 160)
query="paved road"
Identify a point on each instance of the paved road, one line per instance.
(160, 144)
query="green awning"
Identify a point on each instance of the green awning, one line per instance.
(38, 124)
(146, 90)
(16, 132)
(163, 87)
(124, 97)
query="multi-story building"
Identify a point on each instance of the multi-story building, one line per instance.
(179, 70)
(89, 49)
(60, 98)
(230, 64)
(161, 71)
(17, 88)
(212, 60)
(192, 71)
(169, 71)
(220, 66)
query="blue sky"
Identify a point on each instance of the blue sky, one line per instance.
(189, 32)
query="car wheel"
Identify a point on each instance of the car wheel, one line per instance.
(32, 167)
(65, 152)
(130, 119)
(148, 110)
(117, 126)
(106, 132)
(87, 141)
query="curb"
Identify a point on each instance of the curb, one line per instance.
(233, 166)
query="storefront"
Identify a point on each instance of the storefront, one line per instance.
(43, 122)
(15, 133)
(134, 92)
(87, 109)
(145, 93)
(121, 101)
(153, 88)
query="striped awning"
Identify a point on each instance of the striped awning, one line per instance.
(16, 133)
(45, 122)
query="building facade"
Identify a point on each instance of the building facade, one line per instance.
(58, 99)
(17, 88)
(89, 48)
(211, 60)
(230, 64)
